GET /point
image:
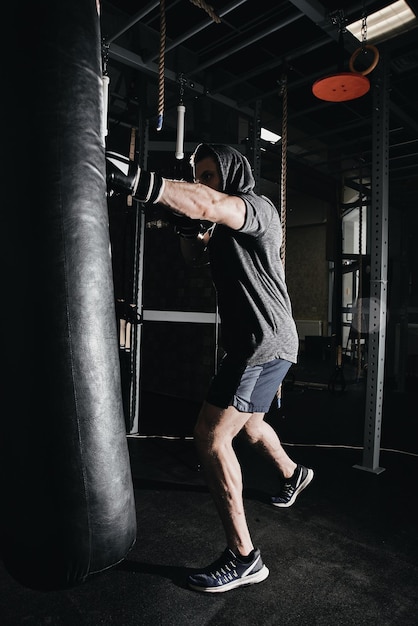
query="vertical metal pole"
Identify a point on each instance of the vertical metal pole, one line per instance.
(138, 270)
(134, 402)
(379, 271)
(256, 145)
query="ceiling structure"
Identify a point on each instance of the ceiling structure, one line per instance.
(256, 61)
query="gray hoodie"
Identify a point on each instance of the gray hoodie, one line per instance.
(254, 305)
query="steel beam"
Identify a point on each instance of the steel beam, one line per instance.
(378, 272)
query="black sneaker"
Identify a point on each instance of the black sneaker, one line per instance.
(229, 572)
(292, 487)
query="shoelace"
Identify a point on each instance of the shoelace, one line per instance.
(286, 492)
(222, 575)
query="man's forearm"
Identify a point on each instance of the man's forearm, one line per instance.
(194, 200)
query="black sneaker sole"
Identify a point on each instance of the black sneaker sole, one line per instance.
(303, 484)
(251, 579)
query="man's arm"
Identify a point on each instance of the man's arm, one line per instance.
(201, 202)
(194, 200)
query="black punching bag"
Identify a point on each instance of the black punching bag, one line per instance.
(67, 502)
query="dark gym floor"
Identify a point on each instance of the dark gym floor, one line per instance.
(345, 554)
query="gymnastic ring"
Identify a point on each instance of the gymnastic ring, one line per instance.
(357, 52)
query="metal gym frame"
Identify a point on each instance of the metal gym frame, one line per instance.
(379, 259)
(379, 271)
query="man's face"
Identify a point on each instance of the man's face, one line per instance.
(207, 173)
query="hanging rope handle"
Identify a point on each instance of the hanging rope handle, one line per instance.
(161, 64)
(373, 63)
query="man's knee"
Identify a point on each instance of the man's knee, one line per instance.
(217, 426)
(254, 427)
(252, 433)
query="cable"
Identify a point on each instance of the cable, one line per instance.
(294, 445)
(332, 445)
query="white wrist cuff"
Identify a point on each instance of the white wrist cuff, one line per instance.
(160, 193)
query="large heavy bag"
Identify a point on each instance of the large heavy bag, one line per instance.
(66, 494)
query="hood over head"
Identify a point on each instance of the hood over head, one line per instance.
(235, 169)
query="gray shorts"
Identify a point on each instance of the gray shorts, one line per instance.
(250, 389)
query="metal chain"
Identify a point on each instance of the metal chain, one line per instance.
(182, 82)
(364, 30)
(105, 56)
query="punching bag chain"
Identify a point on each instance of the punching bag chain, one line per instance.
(161, 66)
(105, 56)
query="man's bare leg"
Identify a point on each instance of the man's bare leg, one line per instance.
(214, 433)
(296, 477)
(264, 437)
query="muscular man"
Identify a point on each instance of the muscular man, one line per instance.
(258, 335)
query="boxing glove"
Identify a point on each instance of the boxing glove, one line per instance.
(189, 228)
(123, 176)
(186, 227)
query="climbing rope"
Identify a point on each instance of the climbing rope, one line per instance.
(161, 63)
(161, 66)
(206, 7)
(283, 186)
